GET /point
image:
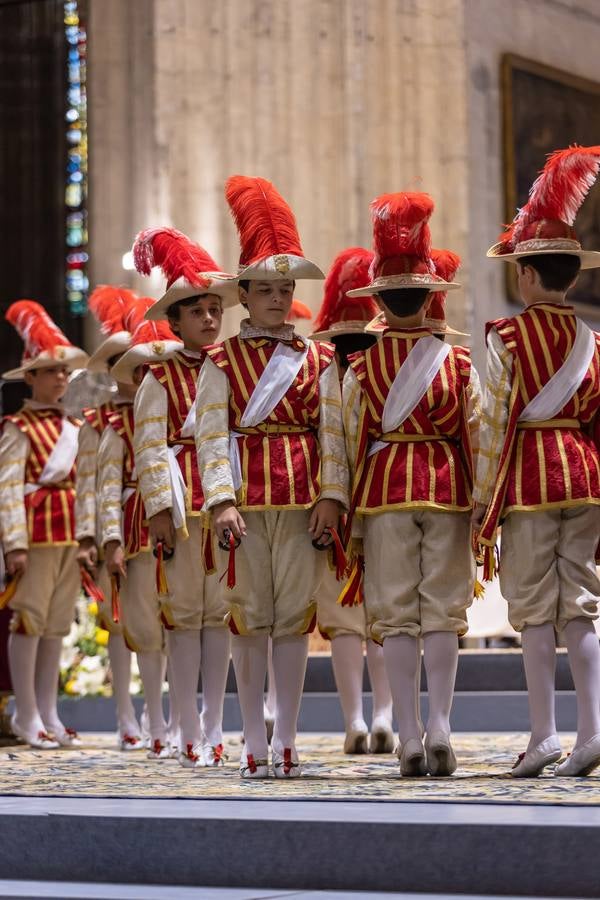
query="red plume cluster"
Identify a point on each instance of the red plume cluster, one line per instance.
(143, 332)
(446, 266)
(35, 327)
(265, 223)
(349, 270)
(175, 254)
(110, 305)
(400, 227)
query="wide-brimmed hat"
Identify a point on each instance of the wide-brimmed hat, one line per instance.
(544, 225)
(151, 341)
(190, 271)
(45, 343)
(402, 245)
(109, 305)
(269, 239)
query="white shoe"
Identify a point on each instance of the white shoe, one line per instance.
(191, 758)
(382, 736)
(251, 767)
(213, 756)
(129, 742)
(286, 765)
(441, 760)
(67, 737)
(533, 762)
(581, 761)
(412, 759)
(158, 750)
(357, 738)
(39, 740)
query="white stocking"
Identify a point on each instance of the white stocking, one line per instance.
(440, 653)
(539, 660)
(47, 669)
(173, 726)
(184, 660)
(584, 659)
(22, 653)
(380, 686)
(348, 664)
(216, 650)
(120, 666)
(249, 654)
(289, 666)
(270, 702)
(402, 655)
(151, 666)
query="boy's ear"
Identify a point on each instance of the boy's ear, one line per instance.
(428, 301)
(173, 325)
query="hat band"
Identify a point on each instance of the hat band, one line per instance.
(412, 278)
(557, 244)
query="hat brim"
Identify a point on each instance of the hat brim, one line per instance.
(71, 357)
(404, 282)
(224, 287)
(114, 345)
(352, 326)
(590, 259)
(379, 324)
(280, 267)
(143, 355)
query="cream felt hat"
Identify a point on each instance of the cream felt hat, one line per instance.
(45, 343)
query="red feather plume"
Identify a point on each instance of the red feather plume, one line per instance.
(147, 332)
(175, 254)
(265, 223)
(558, 191)
(137, 311)
(349, 270)
(446, 266)
(35, 327)
(110, 305)
(400, 226)
(300, 310)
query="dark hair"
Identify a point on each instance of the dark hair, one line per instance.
(244, 283)
(403, 302)
(113, 360)
(173, 310)
(556, 270)
(345, 344)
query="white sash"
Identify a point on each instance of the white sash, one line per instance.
(411, 383)
(272, 386)
(565, 382)
(61, 460)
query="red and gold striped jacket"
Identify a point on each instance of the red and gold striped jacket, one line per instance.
(136, 536)
(50, 509)
(279, 469)
(97, 416)
(428, 461)
(179, 376)
(553, 464)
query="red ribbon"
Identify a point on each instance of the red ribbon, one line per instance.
(339, 555)
(115, 599)
(230, 570)
(90, 587)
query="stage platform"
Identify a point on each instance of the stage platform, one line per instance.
(350, 823)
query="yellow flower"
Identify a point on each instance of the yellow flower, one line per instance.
(101, 637)
(71, 687)
(93, 608)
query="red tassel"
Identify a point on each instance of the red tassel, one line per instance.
(353, 593)
(339, 555)
(115, 599)
(90, 588)
(230, 571)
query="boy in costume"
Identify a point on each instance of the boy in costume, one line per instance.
(410, 412)
(124, 536)
(342, 321)
(538, 472)
(38, 448)
(272, 460)
(110, 305)
(191, 602)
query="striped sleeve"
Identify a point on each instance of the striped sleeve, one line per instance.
(212, 435)
(334, 463)
(150, 411)
(14, 448)
(111, 453)
(85, 483)
(494, 416)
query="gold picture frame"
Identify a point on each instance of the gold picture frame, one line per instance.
(544, 109)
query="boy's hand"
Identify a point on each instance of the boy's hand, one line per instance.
(227, 518)
(161, 529)
(326, 514)
(16, 563)
(87, 555)
(477, 516)
(115, 559)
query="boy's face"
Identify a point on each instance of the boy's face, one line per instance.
(199, 324)
(48, 385)
(268, 302)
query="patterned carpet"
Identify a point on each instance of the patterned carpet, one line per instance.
(99, 770)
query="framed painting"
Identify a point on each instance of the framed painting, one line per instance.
(546, 109)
